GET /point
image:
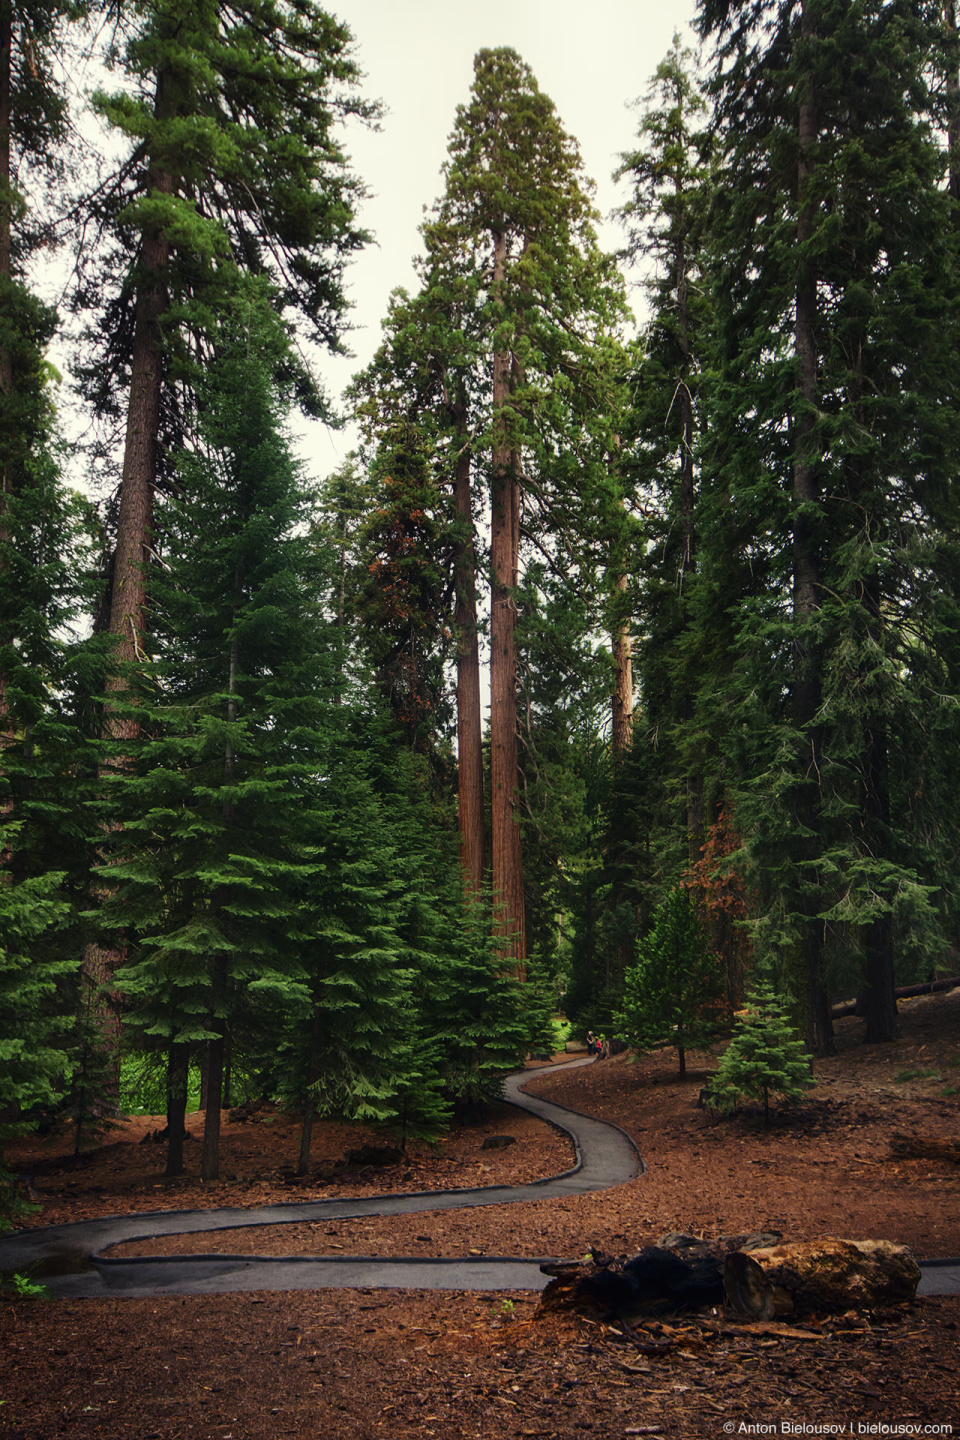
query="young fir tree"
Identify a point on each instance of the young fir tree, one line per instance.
(765, 1057)
(672, 996)
(832, 461)
(34, 1058)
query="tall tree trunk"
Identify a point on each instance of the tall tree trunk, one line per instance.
(309, 1105)
(806, 580)
(469, 717)
(506, 856)
(178, 1075)
(621, 733)
(696, 826)
(6, 275)
(953, 95)
(216, 1048)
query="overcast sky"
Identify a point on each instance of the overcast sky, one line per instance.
(592, 59)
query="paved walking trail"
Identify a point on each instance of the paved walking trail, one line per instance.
(71, 1262)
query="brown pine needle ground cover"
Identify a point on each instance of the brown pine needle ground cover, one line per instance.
(412, 1364)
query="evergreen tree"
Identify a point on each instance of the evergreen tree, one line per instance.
(34, 1059)
(672, 995)
(765, 1057)
(235, 167)
(518, 304)
(836, 302)
(213, 842)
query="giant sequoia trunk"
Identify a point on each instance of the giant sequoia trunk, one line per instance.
(506, 856)
(806, 581)
(470, 818)
(6, 274)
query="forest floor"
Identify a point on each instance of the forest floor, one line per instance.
(398, 1364)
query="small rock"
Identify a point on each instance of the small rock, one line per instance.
(498, 1142)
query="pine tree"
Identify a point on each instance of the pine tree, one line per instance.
(211, 846)
(672, 995)
(235, 168)
(670, 175)
(34, 1059)
(836, 303)
(765, 1057)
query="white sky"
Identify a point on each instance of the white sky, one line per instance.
(592, 59)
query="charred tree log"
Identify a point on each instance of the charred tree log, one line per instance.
(678, 1273)
(814, 1276)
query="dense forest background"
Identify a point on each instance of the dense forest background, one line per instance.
(254, 823)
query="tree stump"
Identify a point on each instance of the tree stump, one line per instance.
(817, 1275)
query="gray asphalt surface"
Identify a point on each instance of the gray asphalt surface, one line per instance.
(70, 1259)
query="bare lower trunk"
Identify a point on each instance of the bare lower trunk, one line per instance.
(469, 717)
(506, 856)
(622, 727)
(178, 1074)
(806, 588)
(210, 1162)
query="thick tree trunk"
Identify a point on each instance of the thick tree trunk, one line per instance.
(178, 1074)
(806, 584)
(210, 1161)
(470, 819)
(506, 856)
(6, 273)
(881, 1002)
(953, 96)
(128, 600)
(621, 735)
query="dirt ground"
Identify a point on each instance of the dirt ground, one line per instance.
(413, 1364)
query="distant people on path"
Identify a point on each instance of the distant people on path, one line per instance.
(596, 1045)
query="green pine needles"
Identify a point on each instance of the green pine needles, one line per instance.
(673, 995)
(765, 1057)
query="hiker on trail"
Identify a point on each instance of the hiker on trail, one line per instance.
(591, 1045)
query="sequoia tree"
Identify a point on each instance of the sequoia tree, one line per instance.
(519, 301)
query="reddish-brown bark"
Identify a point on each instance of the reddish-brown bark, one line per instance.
(506, 855)
(470, 817)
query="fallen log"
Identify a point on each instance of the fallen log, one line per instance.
(755, 1275)
(814, 1276)
(903, 992)
(678, 1273)
(924, 1147)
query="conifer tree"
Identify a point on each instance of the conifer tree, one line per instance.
(235, 167)
(836, 305)
(672, 995)
(211, 843)
(765, 1057)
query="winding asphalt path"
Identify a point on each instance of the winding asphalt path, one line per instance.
(71, 1262)
(70, 1259)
